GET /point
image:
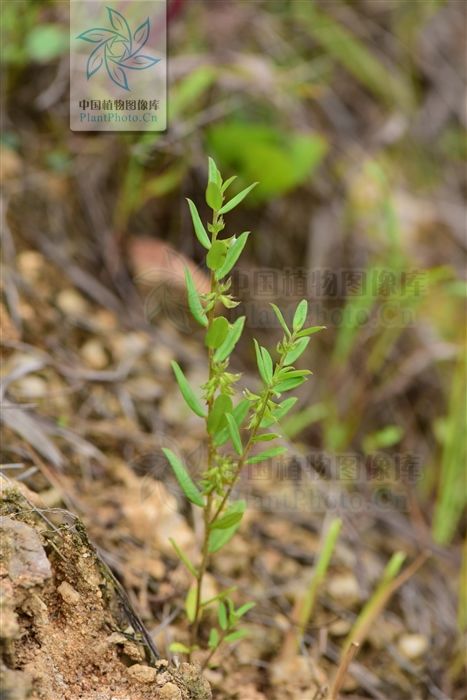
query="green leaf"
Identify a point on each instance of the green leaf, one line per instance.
(298, 349)
(217, 332)
(228, 302)
(244, 609)
(267, 454)
(216, 418)
(265, 437)
(234, 433)
(194, 301)
(281, 319)
(219, 538)
(264, 361)
(184, 479)
(230, 342)
(235, 636)
(190, 603)
(279, 412)
(289, 373)
(231, 204)
(310, 331)
(220, 596)
(231, 517)
(289, 384)
(268, 365)
(233, 254)
(239, 413)
(216, 256)
(213, 190)
(214, 196)
(300, 315)
(213, 172)
(183, 557)
(222, 615)
(213, 638)
(187, 392)
(179, 648)
(200, 231)
(228, 182)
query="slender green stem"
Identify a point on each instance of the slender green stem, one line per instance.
(222, 636)
(248, 446)
(211, 454)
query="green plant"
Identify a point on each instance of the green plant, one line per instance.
(232, 430)
(304, 607)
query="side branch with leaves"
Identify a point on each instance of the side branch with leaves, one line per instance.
(233, 431)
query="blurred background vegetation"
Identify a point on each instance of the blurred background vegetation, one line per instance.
(350, 115)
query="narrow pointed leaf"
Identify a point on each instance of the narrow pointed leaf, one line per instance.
(187, 392)
(299, 349)
(260, 362)
(268, 365)
(231, 517)
(239, 413)
(309, 331)
(267, 454)
(289, 384)
(190, 604)
(281, 319)
(183, 557)
(222, 615)
(213, 172)
(216, 418)
(233, 254)
(266, 437)
(231, 204)
(235, 636)
(282, 409)
(217, 333)
(244, 609)
(213, 638)
(184, 479)
(228, 182)
(219, 538)
(234, 433)
(230, 342)
(194, 302)
(300, 315)
(200, 231)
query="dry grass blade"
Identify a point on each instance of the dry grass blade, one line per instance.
(342, 670)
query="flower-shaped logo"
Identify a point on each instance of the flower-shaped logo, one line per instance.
(117, 49)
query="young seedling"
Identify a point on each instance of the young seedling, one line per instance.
(233, 429)
(390, 581)
(304, 607)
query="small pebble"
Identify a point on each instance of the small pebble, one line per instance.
(340, 628)
(412, 646)
(142, 673)
(30, 264)
(170, 692)
(130, 345)
(32, 387)
(344, 587)
(68, 593)
(94, 354)
(71, 303)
